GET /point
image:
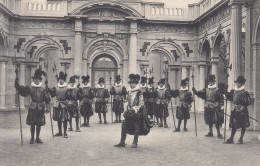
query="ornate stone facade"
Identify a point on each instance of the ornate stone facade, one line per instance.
(132, 36)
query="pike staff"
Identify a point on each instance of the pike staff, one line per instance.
(16, 64)
(192, 76)
(46, 87)
(111, 100)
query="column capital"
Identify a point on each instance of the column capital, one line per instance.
(133, 27)
(78, 24)
(214, 59)
(202, 64)
(236, 2)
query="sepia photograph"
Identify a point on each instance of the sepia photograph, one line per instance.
(129, 82)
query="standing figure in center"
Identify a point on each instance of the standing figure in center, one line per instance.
(73, 105)
(60, 111)
(212, 109)
(151, 98)
(119, 92)
(183, 108)
(162, 102)
(102, 98)
(136, 122)
(86, 95)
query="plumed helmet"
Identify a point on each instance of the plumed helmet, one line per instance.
(62, 76)
(85, 78)
(183, 82)
(134, 78)
(117, 78)
(212, 78)
(101, 79)
(143, 79)
(38, 74)
(240, 79)
(73, 79)
(150, 80)
(162, 81)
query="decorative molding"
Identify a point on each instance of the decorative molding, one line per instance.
(143, 50)
(33, 48)
(187, 49)
(19, 44)
(42, 35)
(65, 46)
(164, 28)
(214, 19)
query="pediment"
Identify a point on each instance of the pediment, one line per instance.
(105, 13)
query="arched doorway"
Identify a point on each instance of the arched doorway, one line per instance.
(205, 58)
(104, 66)
(219, 51)
(156, 66)
(158, 54)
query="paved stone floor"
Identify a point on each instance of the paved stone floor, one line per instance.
(94, 146)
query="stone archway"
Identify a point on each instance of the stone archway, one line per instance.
(205, 66)
(104, 65)
(47, 48)
(160, 52)
(218, 59)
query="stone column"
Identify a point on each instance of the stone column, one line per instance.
(235, 39)
(214, 62)
(132, 68)
(248, 43)
(125, 73)
(78, 47)
(201, 86)
(22, 81)
(183, 72)
(2, 84)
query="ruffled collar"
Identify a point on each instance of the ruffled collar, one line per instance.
(184, 89)
(72, 87)
(116, 84)
(133, 90)
(86, 86)
(161, 88)
(98, 86)
(36, 86)
(62, 86)
(150, 87)
(141, 86)
(239, 89)
(212, 87)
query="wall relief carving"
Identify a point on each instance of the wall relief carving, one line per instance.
(214, 19)
(164, 28)
(105, 13)
(4, 18)
(44, 24)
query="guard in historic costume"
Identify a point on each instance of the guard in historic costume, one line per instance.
(119, 92)
(40, 100)
(73, 105)
(184, 105)
(239, 114)
(163, 99)
(60, 111)
(143, 86)
(136, 121)
(151, 98)
(102, 98)
(86, 95)
(212, 110)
